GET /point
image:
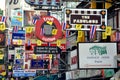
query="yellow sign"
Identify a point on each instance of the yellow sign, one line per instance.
(2, 27)
(104, 36)
(78, 26)
(54, 31)
(58, 43)
(50, 56)
(34, 56)
(39, 42)
(1, 56)
(19, 42)
(3, 73)
(18, 56)
(12, 79)
(108, 31)
(9, 67)
(78, 39)
(80, 33)
(29, 29)
(49, 22)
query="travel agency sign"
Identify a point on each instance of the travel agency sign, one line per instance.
(48, 29)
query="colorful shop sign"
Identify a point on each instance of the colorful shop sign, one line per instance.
(17, 18)
(86, 17)
(18, 38)
(97, 55)
(48, 29)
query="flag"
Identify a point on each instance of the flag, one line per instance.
(48, 44)
(9, 42)
(42, 31)
(92, 31)
(63, 26)
(117, 36)
(34, 21)
(3, 19)
(67, 33)
(15, 29)
(28, 42)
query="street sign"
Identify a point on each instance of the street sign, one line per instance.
(47, 50)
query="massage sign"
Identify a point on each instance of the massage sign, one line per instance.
(48, 29)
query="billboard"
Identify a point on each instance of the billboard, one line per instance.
(97, 55)
(86, 17)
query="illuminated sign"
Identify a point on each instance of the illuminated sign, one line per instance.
(48, 29)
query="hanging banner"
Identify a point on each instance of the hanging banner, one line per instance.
(86, 17)
(44, 28)
(97, 55)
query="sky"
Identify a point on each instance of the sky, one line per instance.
(2, 4)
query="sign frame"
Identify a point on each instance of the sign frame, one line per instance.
(47, 50)
(85, 13)
(95, 59)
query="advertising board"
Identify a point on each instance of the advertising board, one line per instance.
(86, 17)
(97, 55)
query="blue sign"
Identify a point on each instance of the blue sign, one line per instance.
(22, 73)
(19, 35)
(35, 64)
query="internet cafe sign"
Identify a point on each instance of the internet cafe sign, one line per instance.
(86, 17)
(48, 29)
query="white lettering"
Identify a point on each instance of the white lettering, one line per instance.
(48, 39)
(48, 19)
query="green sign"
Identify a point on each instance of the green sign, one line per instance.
(98, 50)
(1, 12)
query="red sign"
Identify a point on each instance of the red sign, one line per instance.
(44, 29)
(62, 47)
(74, 60)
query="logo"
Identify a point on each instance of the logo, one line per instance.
(48, 29)
(98, 50)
